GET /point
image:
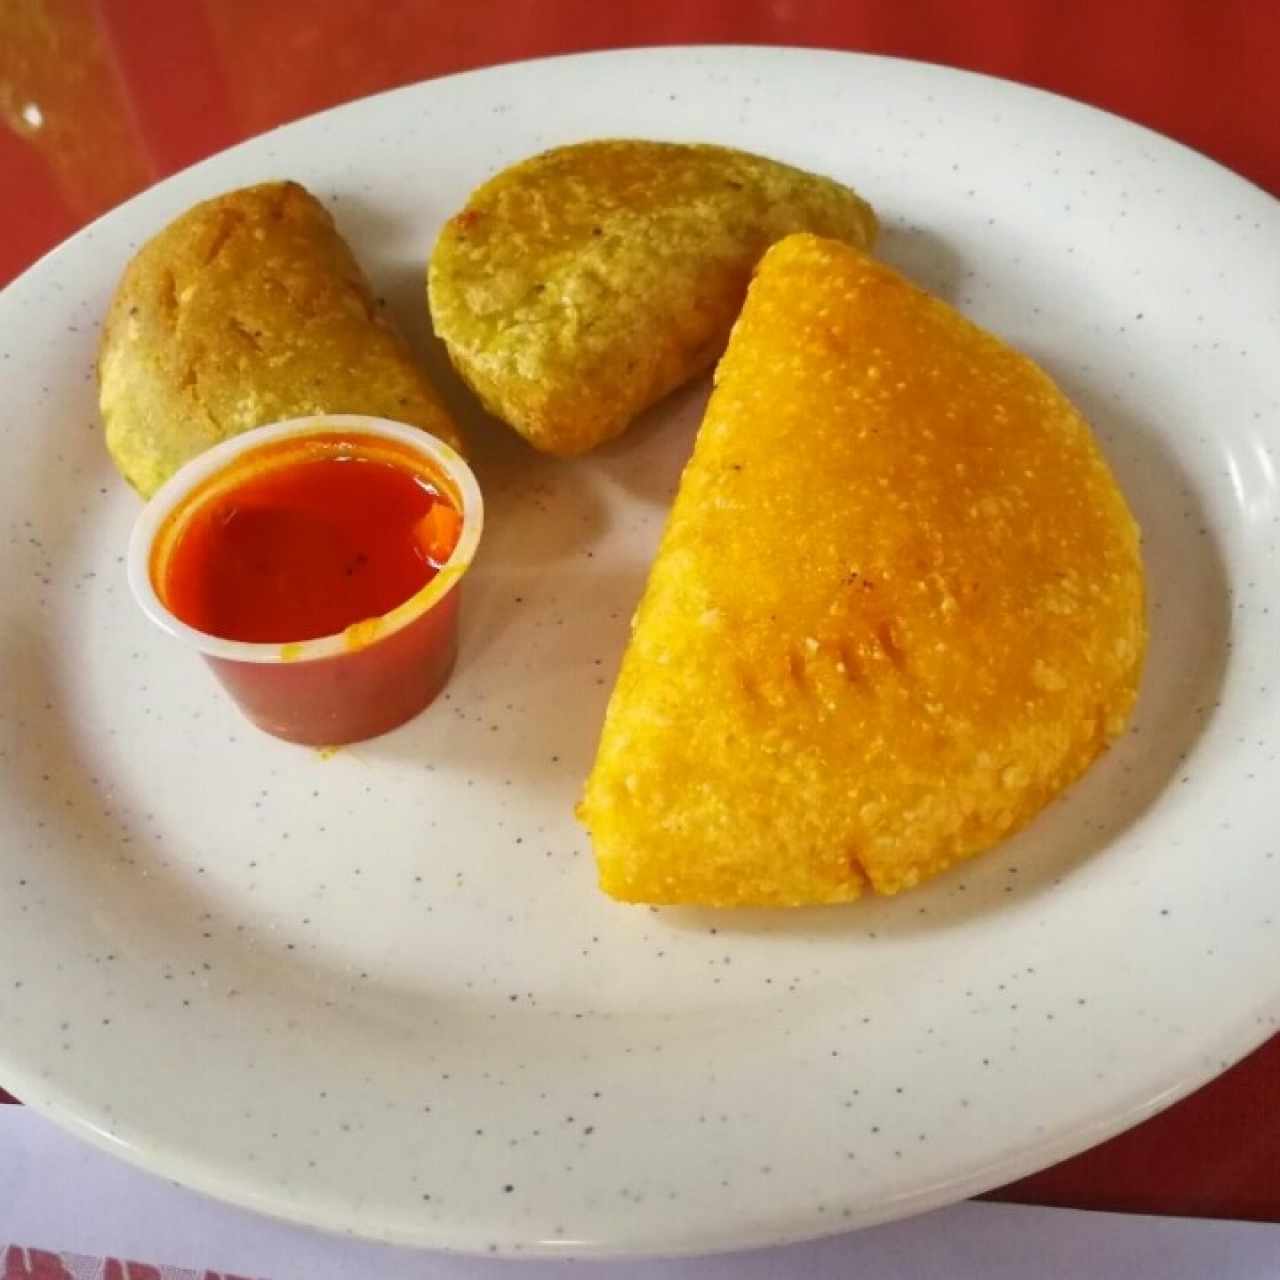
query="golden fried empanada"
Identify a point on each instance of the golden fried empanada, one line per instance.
(247, 309)
(898, 606)
(580, 286)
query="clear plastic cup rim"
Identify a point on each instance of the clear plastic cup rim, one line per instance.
(221, 457)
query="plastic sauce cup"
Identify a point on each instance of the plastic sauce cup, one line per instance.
(340, 688)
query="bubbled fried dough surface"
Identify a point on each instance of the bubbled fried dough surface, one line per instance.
(580, 286)
(897, 609)
(247, 309)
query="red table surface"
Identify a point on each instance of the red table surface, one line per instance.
(100, 99)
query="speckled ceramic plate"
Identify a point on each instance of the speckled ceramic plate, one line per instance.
(380, 993)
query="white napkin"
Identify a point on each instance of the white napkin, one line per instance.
(60, 1195)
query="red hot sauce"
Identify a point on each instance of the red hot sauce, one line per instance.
(305, 549)
(311, 538)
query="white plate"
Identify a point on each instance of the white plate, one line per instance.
(380, 992)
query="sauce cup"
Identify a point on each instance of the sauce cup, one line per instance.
(378, 672)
